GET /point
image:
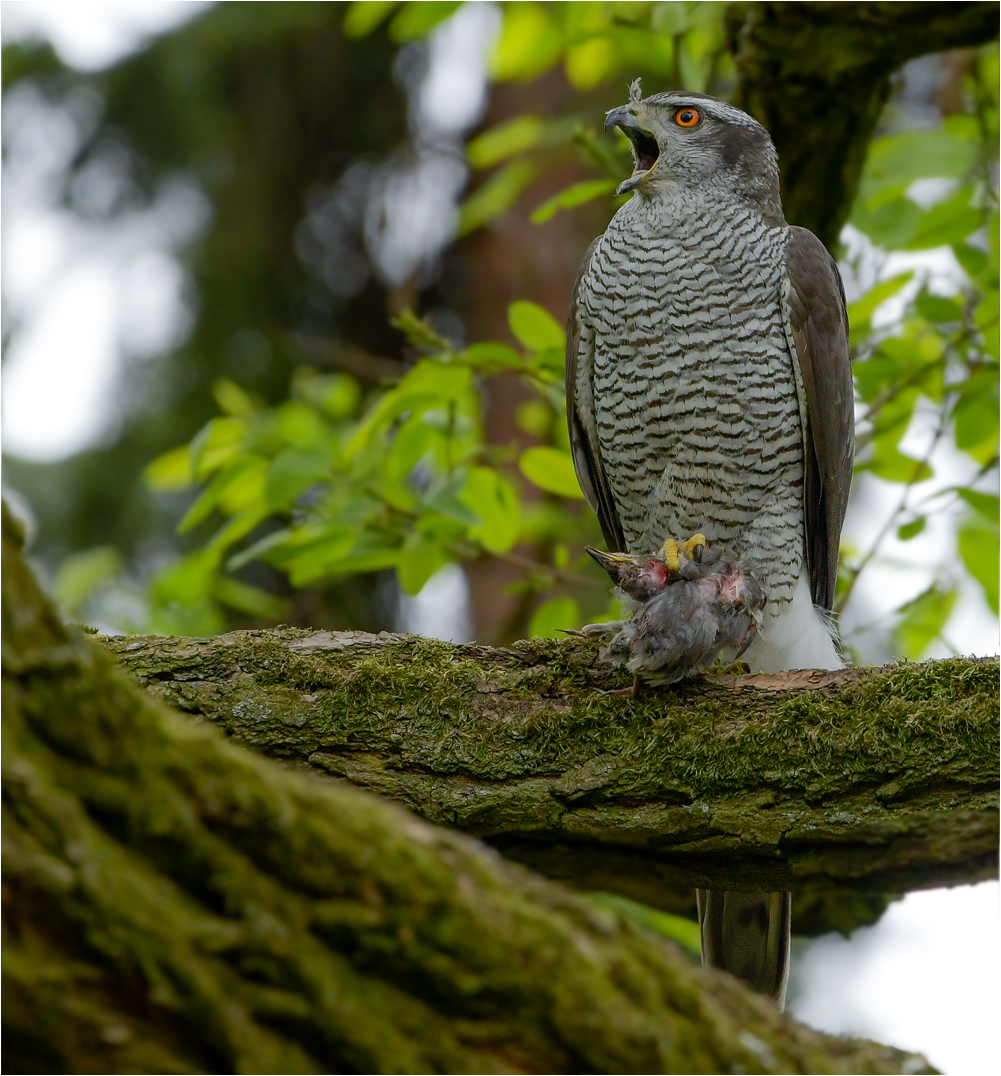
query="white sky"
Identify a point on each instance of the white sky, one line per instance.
(87, 298)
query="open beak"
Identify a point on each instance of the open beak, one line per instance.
(645, 148)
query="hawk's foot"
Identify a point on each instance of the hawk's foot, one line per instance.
(694, 547)
(669, 555)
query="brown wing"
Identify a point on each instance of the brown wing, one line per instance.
(820, 336)
(581, 418)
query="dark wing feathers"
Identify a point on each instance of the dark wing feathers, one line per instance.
(582, 425)
(820, 336)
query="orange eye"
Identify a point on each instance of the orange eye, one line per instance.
(687, 117)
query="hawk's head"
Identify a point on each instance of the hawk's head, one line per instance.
(697, 141)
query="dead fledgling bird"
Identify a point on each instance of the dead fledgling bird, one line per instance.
(640, 576)
(711, 608)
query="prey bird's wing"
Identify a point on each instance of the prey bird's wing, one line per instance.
(819, 324)
(581, 417)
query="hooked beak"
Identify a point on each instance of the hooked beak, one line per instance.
(645, 148)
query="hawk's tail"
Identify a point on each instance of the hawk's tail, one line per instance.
(747, 935)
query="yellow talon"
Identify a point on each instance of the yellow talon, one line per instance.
(694, 547)
(669, 555)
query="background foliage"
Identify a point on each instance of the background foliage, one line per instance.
(317, 437)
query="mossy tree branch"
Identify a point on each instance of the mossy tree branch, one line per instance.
(840, 786)
(176, 903)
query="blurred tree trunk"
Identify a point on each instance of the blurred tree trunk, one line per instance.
(174, 903)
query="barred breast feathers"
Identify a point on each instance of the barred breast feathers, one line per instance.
(694, 388)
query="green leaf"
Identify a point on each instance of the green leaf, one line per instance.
(80, 574)
(214, 494)
(577, 194)
(448, 505)
(319, 559)
(492, 356)
(890, 224)
(217, 443)
(979, 548)
(889, 463)
(299, 425)
(535, 417)
(505, 140)
(232, 399)
(259, 548)
(412, 442)
(496, 504)
(202, 619)
(911, 530)
(937, 308)
(417, 17)
(292, 472)
(684, 931)
(669, 18)
(923, 620)
(365, 15)
(549, 364)
(899, 159)
(443, 381)
(948, 223)
(973, 260)
(441, 529)
(337, 395)
(171, 471)
(976, 414)
(428, 385)
(552, 470)
(986, 316)
(860, 312)
(984, 503)
(534, 327)
(233, 530)
(494, 197)
(251, 600)
(187, 581)
(591, 62)
(417, 561)
(384, 411)
(529, 43)
(548, 619)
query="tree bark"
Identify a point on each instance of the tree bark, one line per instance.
(842, 787)
(175, 903)
(817, 75)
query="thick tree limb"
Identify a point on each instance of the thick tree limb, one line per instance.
(175, 903)
(817, 76)
(839, 786)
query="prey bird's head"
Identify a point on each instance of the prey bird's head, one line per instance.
(696, 141)
(641, 576)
